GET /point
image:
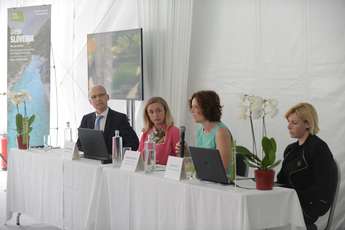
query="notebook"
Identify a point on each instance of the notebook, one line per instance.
(93, 145)
(208, 165)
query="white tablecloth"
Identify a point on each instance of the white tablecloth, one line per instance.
(130, 201)
(81, 179)
(50, 188)
(84, 194)
(34, 185)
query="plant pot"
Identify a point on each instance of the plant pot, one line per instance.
(20, 143)
(264, 179)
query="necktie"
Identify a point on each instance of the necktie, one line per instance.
(98, 122)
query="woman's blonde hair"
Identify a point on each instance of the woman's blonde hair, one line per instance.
(148, 124)
(307, 113)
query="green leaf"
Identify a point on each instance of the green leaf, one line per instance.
(275, 164)
(246, 161)
(19, 123)
(242, 150)
(247, 154)
(274, 145)
(31, 119)
(269, 147)
(25, 125)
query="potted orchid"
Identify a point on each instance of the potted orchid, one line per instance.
(23, 121)
(258, 108)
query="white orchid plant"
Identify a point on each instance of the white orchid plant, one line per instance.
(255, 107)
(23, 122)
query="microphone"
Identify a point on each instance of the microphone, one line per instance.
(182, 142)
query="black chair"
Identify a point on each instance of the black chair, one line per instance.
(241, 167)
(336, 185)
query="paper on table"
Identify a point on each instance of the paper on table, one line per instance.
(249, 184)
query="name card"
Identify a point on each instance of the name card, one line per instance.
(71, 150)
(132, 161)
(68, 145)
(174, 169)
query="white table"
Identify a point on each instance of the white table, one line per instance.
(140, 201)
(50, 188)
(34, 185)
(81, 179)
(84, 194)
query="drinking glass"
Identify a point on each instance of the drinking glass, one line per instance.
(46, 141)
(188, 167)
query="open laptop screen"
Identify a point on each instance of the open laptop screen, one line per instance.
(208, 165)
(93, 144)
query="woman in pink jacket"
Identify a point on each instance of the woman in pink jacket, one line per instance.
(159, 124)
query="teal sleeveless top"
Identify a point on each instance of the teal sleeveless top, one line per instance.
(208, 140)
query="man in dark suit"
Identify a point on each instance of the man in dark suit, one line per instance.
(108, 120)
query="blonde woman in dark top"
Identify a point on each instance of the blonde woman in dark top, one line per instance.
(308, 164)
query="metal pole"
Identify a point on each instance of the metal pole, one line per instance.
(130, 110)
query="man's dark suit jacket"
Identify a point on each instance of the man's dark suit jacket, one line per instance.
(115, 121)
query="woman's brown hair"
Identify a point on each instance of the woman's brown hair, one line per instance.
(209, 103)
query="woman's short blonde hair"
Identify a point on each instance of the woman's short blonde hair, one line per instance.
(307, 113)
(148, 124)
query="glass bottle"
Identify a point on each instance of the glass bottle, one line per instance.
(150, 155)
(117, 148)
(68, 132)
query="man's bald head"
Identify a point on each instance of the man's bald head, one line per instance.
(98, 98)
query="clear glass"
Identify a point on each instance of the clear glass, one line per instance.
(47, 142)
(117, 149)
(149, 156)
(189, 167)
(233, 165)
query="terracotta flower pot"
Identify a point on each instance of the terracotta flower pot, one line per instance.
(264, 179)
(20, 143)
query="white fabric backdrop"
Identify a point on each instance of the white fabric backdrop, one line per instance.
(290, 50)
(167, 31)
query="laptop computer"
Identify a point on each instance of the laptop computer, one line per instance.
(93, 144)
(208, 165)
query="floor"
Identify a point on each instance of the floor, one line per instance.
(26, 222)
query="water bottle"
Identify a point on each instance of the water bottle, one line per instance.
(117, 148)
(150, 155)
(68, 132)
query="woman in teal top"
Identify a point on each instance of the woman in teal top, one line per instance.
(212, 133)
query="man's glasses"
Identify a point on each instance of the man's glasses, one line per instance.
(94, 97)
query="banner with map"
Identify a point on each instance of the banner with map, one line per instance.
(28, 71)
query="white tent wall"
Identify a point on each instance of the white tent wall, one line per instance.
(289, 50)
(167, 32)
